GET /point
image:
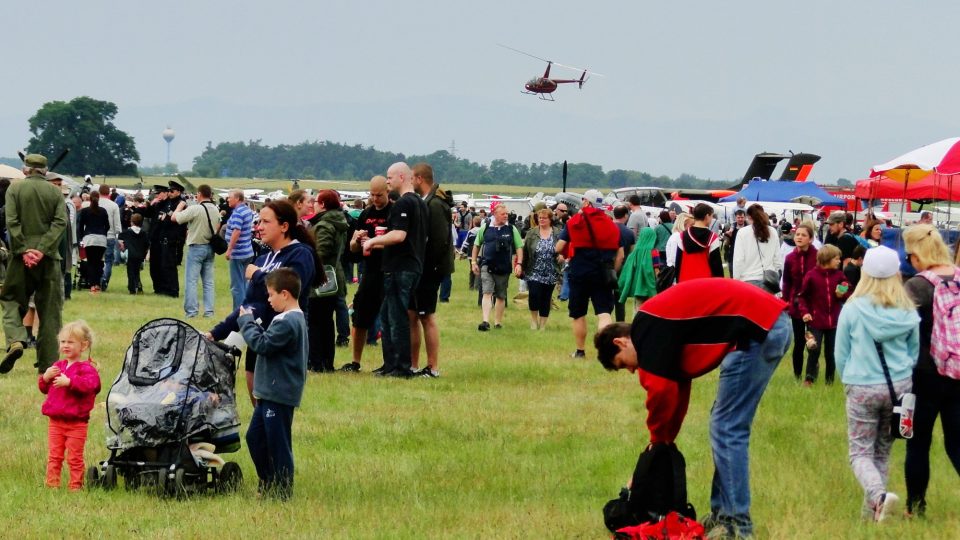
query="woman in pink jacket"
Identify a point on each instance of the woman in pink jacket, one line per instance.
(71, 385)
(798, 263)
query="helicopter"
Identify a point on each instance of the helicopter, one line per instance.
(544, 86)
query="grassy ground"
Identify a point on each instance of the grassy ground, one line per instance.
(514, 440)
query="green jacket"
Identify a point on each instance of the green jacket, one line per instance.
(330, 231)
(36, 217)
(530, 242)
(439, 253)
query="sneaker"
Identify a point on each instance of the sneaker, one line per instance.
(484, 326)
(498, 326)
(352, 367)
(578, 354)
(886, 506)
(343, 342)
(13, 354)
(428, 373)
(379, 370)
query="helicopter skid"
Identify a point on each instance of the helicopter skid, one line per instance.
(541, 95)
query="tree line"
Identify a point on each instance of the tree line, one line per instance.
(336, 161)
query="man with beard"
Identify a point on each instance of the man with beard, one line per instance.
(403, 252)
(368, 299)
(438, 264)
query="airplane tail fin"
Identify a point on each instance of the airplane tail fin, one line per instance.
(799, 167)
(761, 167)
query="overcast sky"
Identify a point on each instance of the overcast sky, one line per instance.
(690, 87)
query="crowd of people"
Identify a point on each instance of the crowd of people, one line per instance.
(839, 295)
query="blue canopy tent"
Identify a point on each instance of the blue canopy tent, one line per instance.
(781, 191)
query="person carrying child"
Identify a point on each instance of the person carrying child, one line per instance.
(278, 380)
(136, 243)
(821, 297)
(879, 316)
(71, 384)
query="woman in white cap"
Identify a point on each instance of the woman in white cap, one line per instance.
(878, 340)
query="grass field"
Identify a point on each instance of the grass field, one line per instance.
(514, 440)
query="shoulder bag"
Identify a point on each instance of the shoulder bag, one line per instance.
(217, 243)
(901, 423)
(771, 277)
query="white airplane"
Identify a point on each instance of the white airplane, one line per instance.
(247, 193)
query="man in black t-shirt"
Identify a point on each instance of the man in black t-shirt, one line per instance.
(403, 250)
(840, 237)
(368, 299)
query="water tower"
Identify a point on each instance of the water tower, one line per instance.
(168, 135)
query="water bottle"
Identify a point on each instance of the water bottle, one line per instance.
(908, 402)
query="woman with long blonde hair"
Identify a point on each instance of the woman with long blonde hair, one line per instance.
(937, 395)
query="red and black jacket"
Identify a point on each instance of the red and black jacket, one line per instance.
(685, 331)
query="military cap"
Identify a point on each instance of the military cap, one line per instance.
(177, 186)
(160, 188)
(35, 161)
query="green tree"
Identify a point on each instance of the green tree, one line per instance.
(843, 182)
(85, 126)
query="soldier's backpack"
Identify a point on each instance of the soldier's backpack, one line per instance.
(945, 339)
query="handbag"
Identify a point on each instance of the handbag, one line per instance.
(666, 278)
(901, 422)
(330, 286)
(217, 243)
(771, 277)
(610, 276)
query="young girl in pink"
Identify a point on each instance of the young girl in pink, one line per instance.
(71, 384)
(821, 297)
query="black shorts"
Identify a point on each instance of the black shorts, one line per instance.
(368, 300)
(592, 288)
(425, 297)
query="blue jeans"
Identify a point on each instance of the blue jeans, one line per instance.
(398, 289)
(446, 284)
(199, 266)
(108, 258)
(744, 375)
(342, 319)
(238, 280)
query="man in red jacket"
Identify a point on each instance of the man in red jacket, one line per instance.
(687, 331)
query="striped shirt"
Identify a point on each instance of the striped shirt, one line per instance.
(241, 219)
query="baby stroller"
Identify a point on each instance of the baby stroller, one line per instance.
(170, 413)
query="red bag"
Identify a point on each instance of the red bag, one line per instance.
(672, 527)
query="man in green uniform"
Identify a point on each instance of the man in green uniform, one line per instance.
(36, 221)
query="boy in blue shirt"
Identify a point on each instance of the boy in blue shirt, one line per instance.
(278, 381)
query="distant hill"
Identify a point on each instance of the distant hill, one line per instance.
(13, 162)
(332, 160)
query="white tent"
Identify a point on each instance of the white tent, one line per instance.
(7, 171)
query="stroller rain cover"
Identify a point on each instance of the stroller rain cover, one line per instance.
(174, 385)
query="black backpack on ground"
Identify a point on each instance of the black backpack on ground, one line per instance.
(659, 486)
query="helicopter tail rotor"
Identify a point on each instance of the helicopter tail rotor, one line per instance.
(583, 79)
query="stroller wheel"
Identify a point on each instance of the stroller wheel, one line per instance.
(109, 477)
(132, 481)
(230, 478)
(93, 477)
(162, 482)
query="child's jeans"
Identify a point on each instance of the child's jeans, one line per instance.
(69, 435)
(269, 440)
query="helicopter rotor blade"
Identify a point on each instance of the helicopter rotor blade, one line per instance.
(579, 69)
(525, 53)
(59, 159)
